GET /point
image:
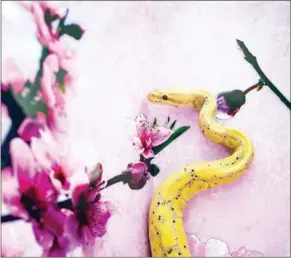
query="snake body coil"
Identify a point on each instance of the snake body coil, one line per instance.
(166, 229)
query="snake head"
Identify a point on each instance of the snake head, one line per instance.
(172, 97)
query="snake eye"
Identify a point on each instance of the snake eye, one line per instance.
(165, 97)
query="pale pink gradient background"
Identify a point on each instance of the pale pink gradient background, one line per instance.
(132, 47)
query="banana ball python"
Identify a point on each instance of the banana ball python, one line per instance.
(167, 234)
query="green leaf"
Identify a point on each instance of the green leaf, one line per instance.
(32, 90)
(60, 76)
(34, 107)
(73, 30)
(154, 170)
(62, 21)
(49, 18)
(62, 88)
(174, 136)
(173, 125)
(29, 107)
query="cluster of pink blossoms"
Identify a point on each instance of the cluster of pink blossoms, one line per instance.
(146, 138)
(39, 174)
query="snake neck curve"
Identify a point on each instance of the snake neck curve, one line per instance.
(167, 234)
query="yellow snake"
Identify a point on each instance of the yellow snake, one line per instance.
(166, 229)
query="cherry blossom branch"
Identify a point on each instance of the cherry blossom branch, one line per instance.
(126, 177)
(17, 116)
(66, 204)
(17, 104)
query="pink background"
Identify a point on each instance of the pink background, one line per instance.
(132, 47)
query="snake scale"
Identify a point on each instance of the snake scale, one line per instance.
(166, 229)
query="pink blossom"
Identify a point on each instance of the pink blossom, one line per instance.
(57, 120)
(50, 156)
(149, 137)
(31, 127)
(26, 186)
(90, 217)
(44, 34)
(52, 94)
(48, 81)
(6, 121)
(50, 232)
(65, 59)
(11, 75)
(139, 171)
(215, 247)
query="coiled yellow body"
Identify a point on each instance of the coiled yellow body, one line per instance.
(166, 229)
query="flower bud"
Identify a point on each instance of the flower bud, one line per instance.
(138, 172)
(229, 103)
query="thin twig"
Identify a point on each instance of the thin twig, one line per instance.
(250, 58)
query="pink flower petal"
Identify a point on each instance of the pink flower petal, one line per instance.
(54, 220)
(12, 75)
(27, 5)
(45, 190)
(79, 191)
(87, 237)
(52, 62)
(47, 84)
(30, 128)
(98, 215)
(43, 32)
(95, 175)
(148, 153)
(95, 248)
(55, 251)
(138, 171)
(44, 238)
(11, 195)
(159, 135)
(4, 111)
(43, 153)
(141, 122)
(57, 120)
(23, 163)
(62, 52)
(71, 229)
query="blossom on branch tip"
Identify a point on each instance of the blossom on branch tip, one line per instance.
(52, 157)
(138, 172)
(148, 137)
(28, 187)
(229, 103)
(31, 127)
(91, 214)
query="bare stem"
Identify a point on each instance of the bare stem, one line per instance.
(250, 58)
(259, 85)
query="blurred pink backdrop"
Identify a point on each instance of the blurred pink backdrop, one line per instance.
(130, 48)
